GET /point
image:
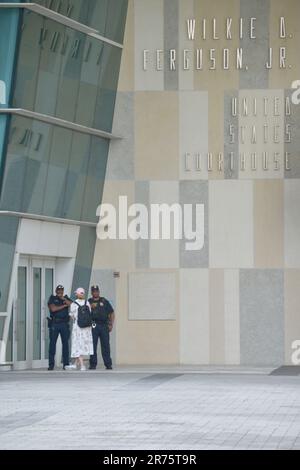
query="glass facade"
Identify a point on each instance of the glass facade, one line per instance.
(72, 76)
(67, 74)
(53, 171)
(106, 16)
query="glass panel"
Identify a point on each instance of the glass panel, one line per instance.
(28, 61)
(2, 320)
(95, 178)
(97, 15)
(48, 68)
(8, 233)
(70, 76)
(49, 274)
(109, 61)
(37, 168)
(76, 179)
(37, 304)
(76, 9)
(116, 19)
(55, 188)
(21, 314)
(20, 139)
(108, 17)
(9, 345)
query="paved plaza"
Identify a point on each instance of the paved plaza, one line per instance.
(150, 408)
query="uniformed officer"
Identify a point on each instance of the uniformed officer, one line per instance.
(59, 325)
(103, 319)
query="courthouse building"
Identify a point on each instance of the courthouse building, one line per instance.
(162, 101)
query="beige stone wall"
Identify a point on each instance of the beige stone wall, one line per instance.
(236, 300)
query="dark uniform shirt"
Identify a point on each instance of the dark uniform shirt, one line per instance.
(60, 315)
(103, 309)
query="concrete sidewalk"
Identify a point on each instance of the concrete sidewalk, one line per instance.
(150, 408)
(170, 368)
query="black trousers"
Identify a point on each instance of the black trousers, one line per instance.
(55, 330)
(101, 331)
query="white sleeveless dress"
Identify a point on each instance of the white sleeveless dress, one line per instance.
(82, 339)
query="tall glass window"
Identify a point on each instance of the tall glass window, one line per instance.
(21, 320)
(48, 291)
(36, 317)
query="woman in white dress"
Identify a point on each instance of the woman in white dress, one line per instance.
(82, 339)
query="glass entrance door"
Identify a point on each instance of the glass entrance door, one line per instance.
(35, 282)
(20, 310)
